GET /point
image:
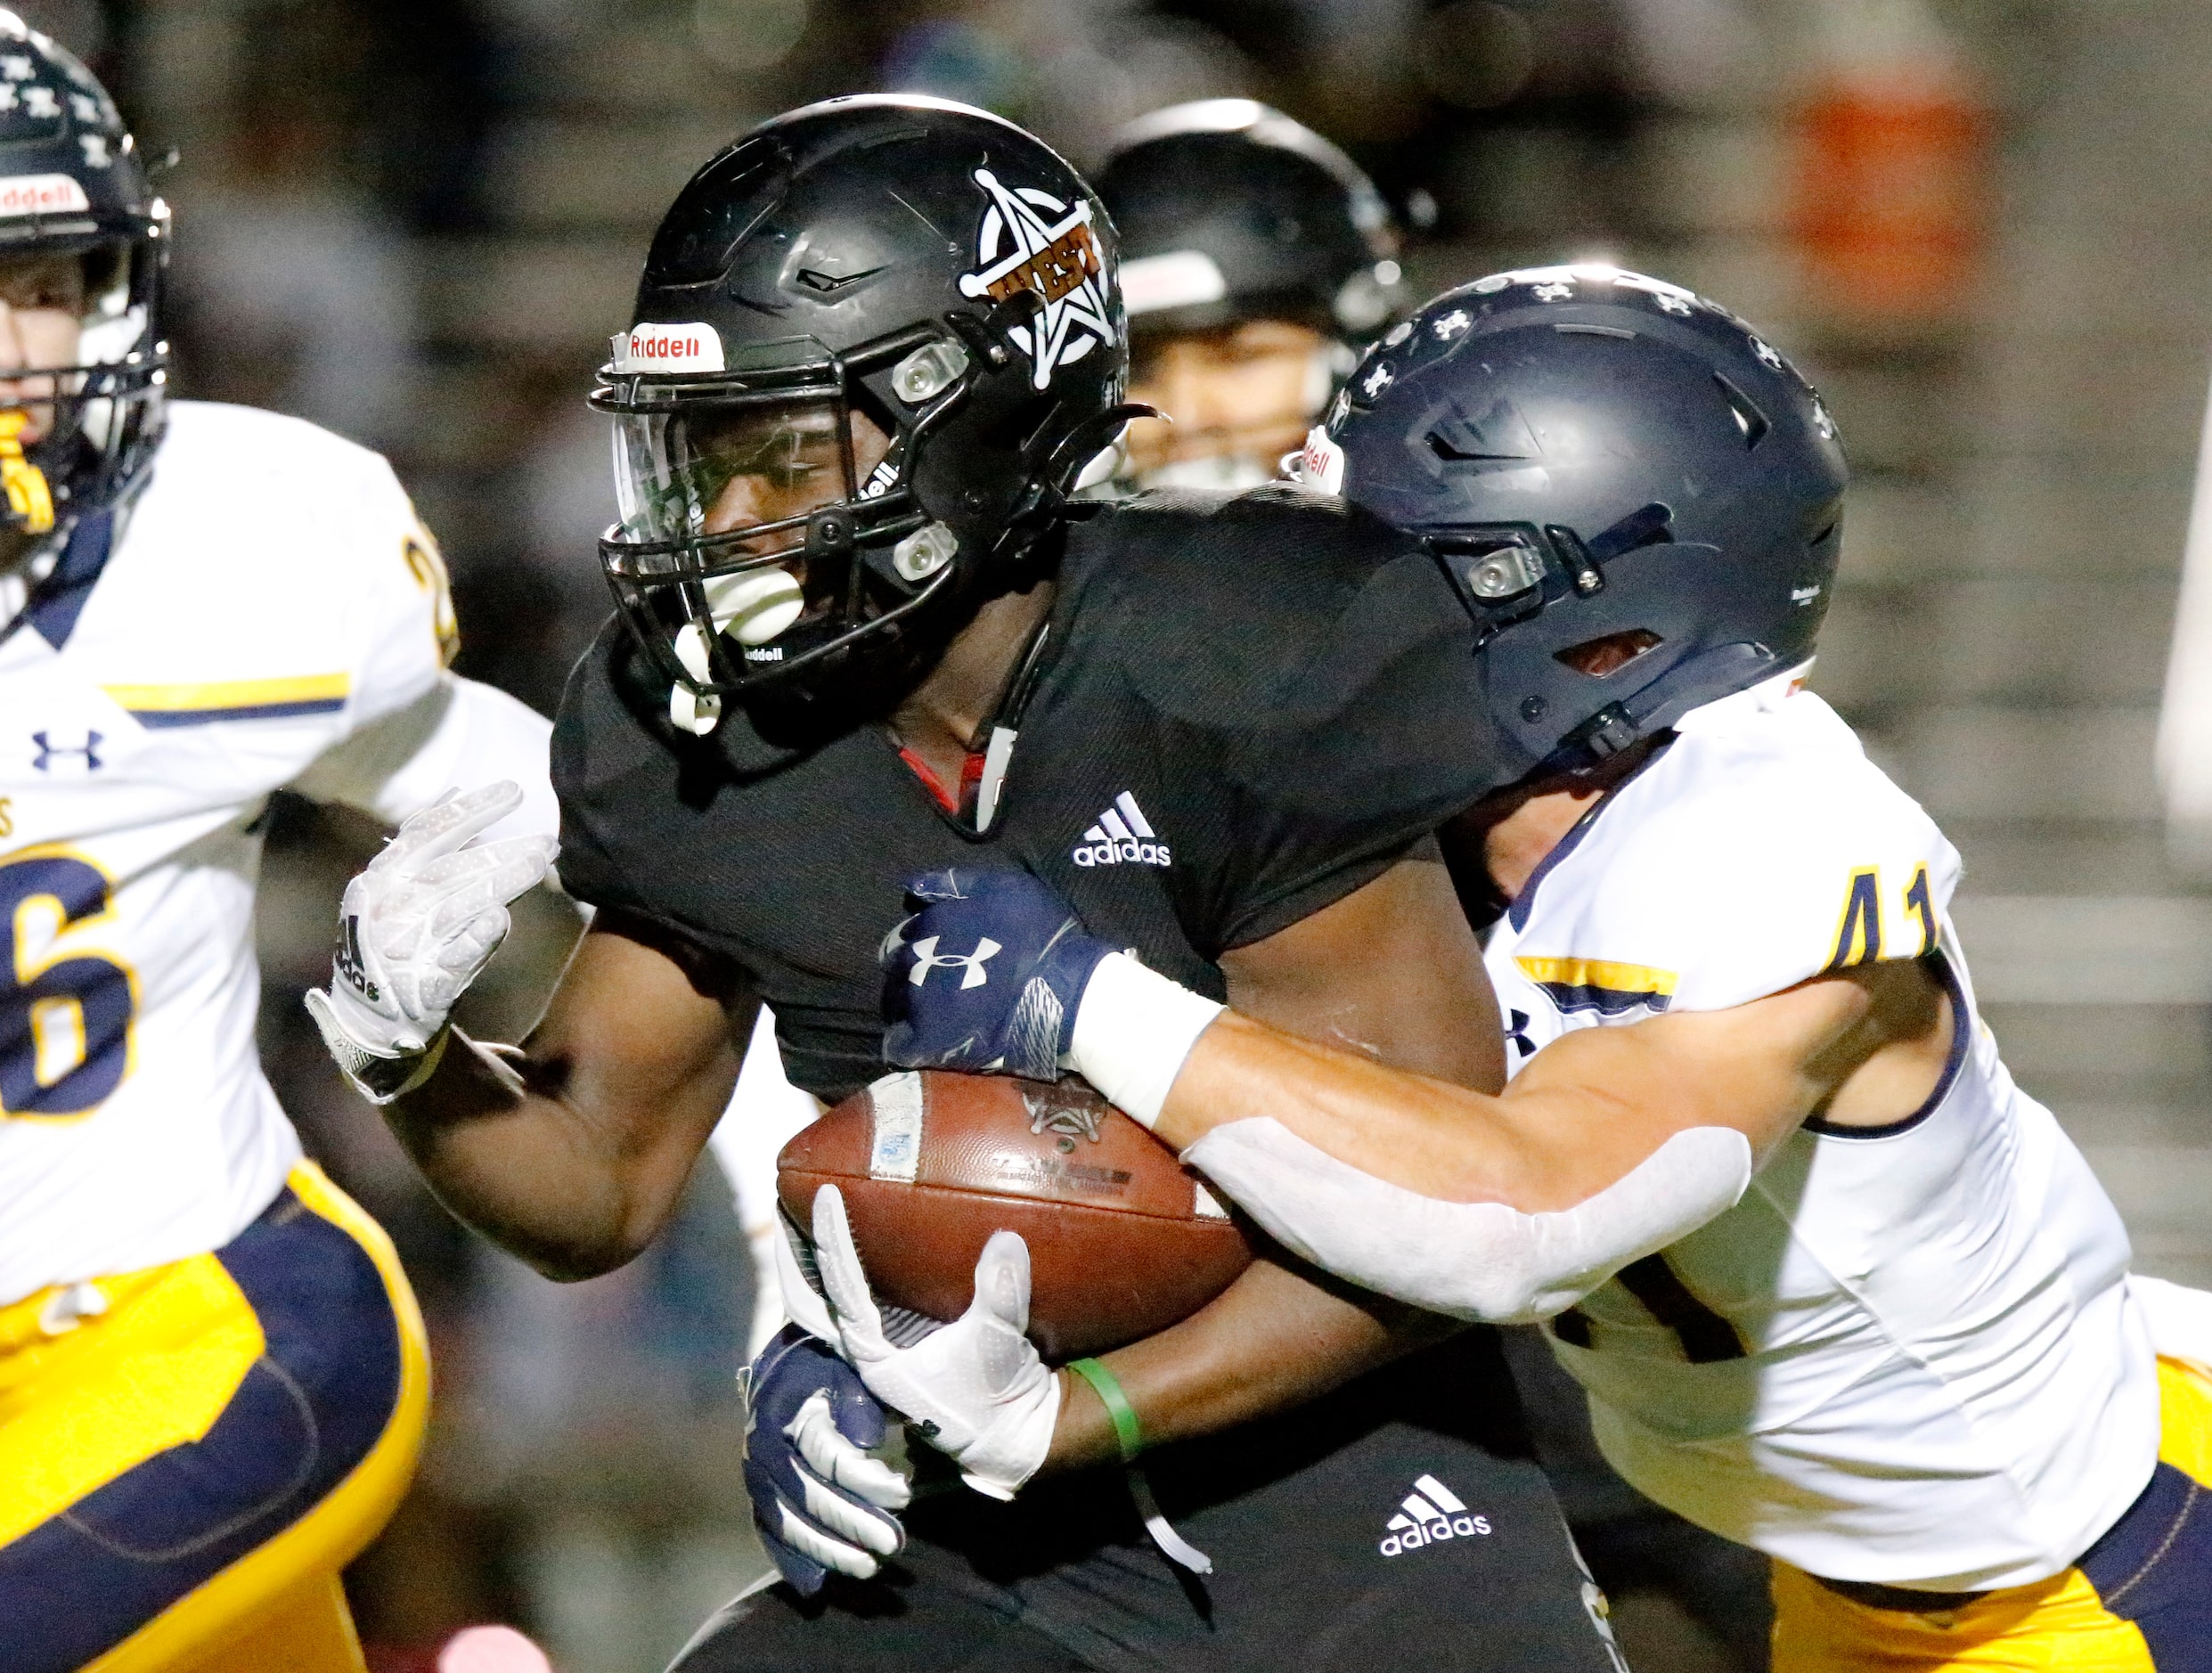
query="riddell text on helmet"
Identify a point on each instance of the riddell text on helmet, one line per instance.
(41, 194)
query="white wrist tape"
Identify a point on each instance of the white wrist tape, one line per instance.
(1483, 1260)
(1133, 1029)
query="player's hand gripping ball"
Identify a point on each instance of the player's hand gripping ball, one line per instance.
(1124, 1240)
(822, 1502)
(986, 976)
(975, 1389)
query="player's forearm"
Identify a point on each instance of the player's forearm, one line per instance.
(572, 1150)
(525, 1170)
(1585, 1112)
(1274, 1339)
(506, 1145)
(1427, 1136)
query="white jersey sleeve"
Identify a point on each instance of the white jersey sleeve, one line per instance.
(1781, 869)
(458, 734)
(414, 729)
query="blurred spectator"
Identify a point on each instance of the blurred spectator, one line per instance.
(296, 290)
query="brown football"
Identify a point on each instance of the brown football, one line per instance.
(1124, 1241)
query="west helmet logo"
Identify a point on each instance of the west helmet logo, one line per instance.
(1121, 837)
(1430, 1514)
(1032, 241)
(926, 958)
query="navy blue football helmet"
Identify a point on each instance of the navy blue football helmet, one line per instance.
(1636, 497)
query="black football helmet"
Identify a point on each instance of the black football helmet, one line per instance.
(74, 186)
(1638, 498)
(1229, 210)
(876, 341)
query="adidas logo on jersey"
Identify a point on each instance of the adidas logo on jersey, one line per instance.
(1121, 837)
(1432, 1513)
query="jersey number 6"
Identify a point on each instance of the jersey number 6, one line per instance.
(65, 1025)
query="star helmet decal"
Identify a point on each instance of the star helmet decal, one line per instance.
(1032, 241)
(1559, 283)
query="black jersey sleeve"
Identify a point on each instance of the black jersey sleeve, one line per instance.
(1311, 682)
(637, 801)
(601, 757)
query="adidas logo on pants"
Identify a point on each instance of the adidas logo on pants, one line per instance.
(1431, 1513)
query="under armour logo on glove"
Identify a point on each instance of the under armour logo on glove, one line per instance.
(926, 958)
(1018, 1024)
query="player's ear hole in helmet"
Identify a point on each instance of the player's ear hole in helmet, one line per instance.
(1609, 653)
(877, 342)
(1637, 499)
(83, 249)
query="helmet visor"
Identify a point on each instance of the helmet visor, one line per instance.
(697, 470)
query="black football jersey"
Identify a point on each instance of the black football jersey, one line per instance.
(1245, 708)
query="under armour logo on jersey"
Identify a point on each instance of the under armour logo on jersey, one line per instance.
(49, 752)
(1122, 835)
(1517, 1032)
(1430, 1514)
(926, 958)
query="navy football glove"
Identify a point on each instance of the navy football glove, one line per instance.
(820, 1501)
(985, 976)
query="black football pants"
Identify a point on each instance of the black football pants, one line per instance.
(1401, 1522)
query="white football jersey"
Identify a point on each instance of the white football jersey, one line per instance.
(1908, 1355)
(267, 613)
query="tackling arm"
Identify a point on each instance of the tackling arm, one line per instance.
(1612, 1143)
(1392, 974)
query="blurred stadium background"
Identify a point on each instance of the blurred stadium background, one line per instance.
(1980, 226)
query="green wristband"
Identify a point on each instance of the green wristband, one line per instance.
(1127, 1430)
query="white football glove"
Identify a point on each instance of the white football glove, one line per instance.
(415, 928)
(975, 1389)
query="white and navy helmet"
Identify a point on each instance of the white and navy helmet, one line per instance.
(74, 184)
(1597, 456)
